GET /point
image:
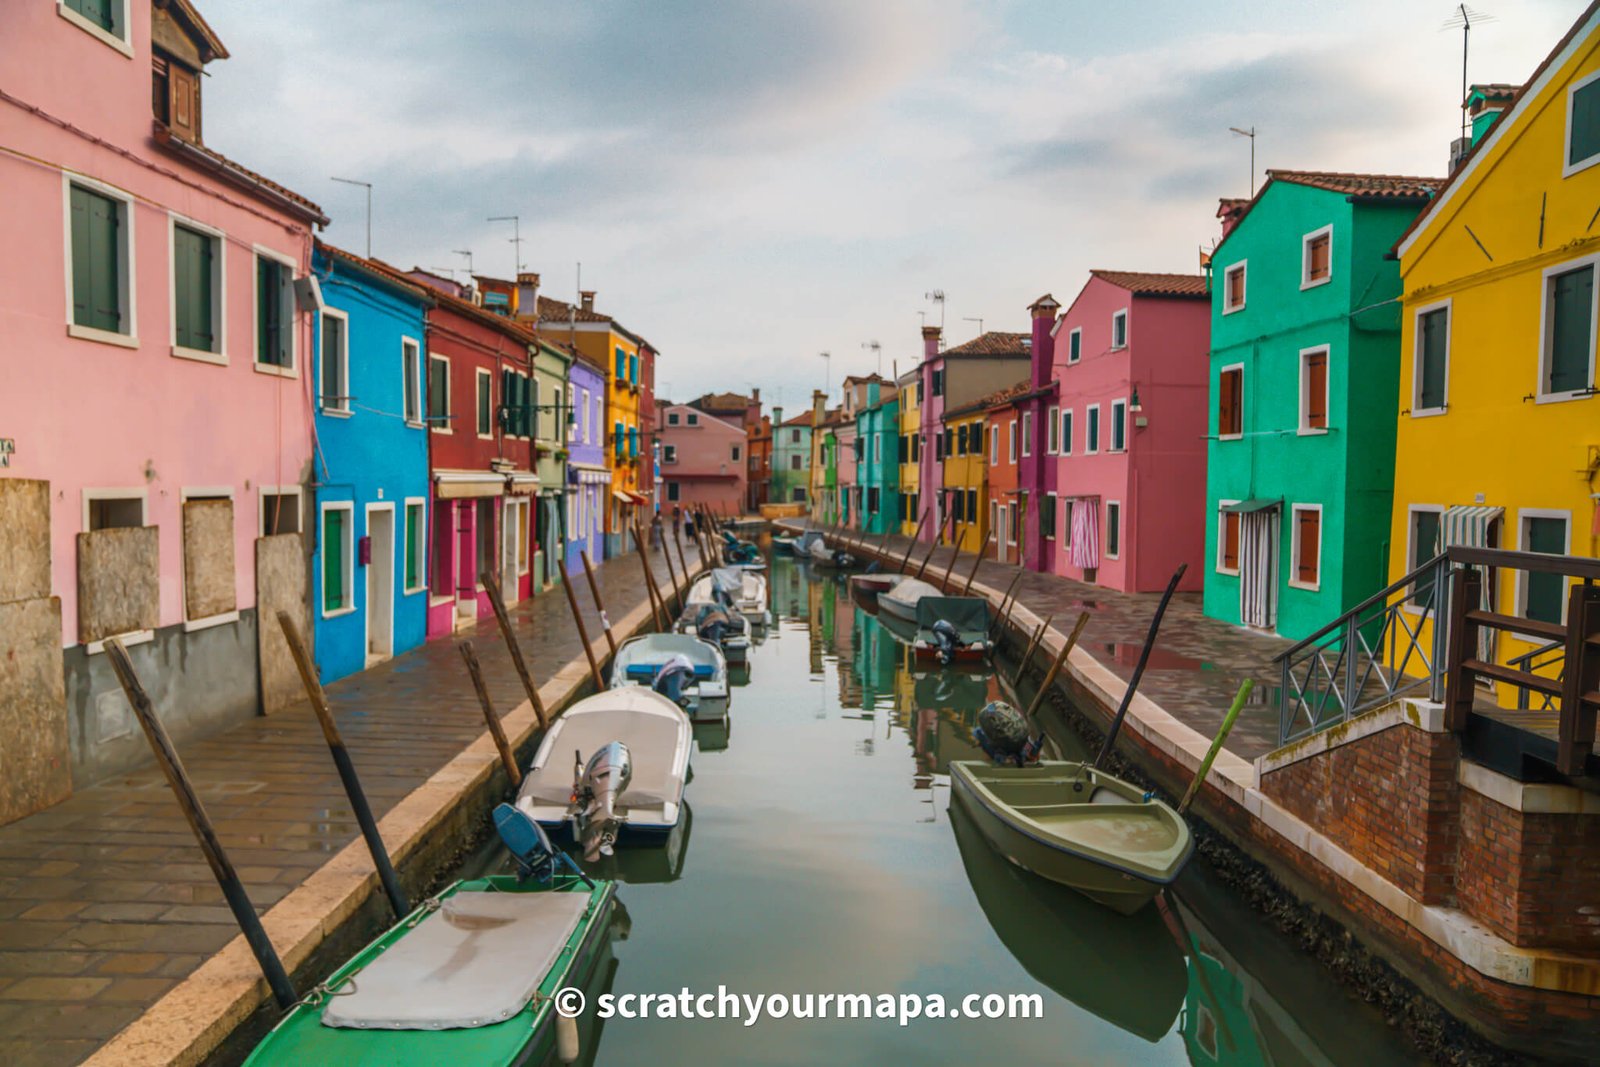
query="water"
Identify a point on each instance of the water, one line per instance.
(821, 855)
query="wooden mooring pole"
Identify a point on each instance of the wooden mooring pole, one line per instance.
(672, 575)
(1055, 667)
(346, 769)
(496, 729)
(914, 535)
(922, 568)
(583, 631)
(1038, 635)
(955, 554)
(976, 563)
(244, 912)
(600, 606)
(491, 585)
(659, 606)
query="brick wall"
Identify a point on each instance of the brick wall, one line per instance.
(1532, 878)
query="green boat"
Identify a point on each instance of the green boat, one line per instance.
(467, 977)
(1079, 826)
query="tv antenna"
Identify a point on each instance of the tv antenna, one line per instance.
(973, 318)
(1250, 133)
(1465, 18)
(877, 350)
(937, 297)
(516, 238)
(468, 253)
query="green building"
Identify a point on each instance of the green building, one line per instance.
(791, 458)
(1305, 351)
(552, 420)
(878, 460)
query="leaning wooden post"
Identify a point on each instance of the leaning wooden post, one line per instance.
(1055, 668)
(672, 575)
(346, 769)
(955, 554)
(594, 591)
(491, 585)
(683, 565)
(496, 729)
(924, 565)
(1038, 635)
(904, 562)
(882, 551)
(977, 562)
(1003, 616)
(658, 605)
(583, 631)
(244, 913)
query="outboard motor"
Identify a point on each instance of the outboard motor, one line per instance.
(712, 625)
(1002, 733)
(530, 848)
(947, 640)
(595, 789)
(672, 677)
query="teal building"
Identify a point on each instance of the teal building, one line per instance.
(878, 459)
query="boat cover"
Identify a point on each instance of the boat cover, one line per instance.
(968, 614)
(729, 582)
(475, 962)
(652, 741)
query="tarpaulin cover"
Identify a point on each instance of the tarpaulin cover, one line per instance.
(968, 614)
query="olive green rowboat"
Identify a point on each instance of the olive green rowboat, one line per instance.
(1073, 824)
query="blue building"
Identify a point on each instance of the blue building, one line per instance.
(588, 476)
(370, 465)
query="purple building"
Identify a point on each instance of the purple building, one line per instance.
(588, 477)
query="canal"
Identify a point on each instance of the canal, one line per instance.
(821, 854)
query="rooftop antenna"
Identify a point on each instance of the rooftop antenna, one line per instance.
(448, 272)
(468, 253)
(827, 371)
(937, 297)
(1250, 133)
(1466, 18)
(972, 318)
(516, 238)
(877, 350)
(368, 187)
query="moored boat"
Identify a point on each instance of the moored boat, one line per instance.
(823, 556)
(952, 629)
(711, 621)
(703, 693)
(902, 598)
(1079, 826)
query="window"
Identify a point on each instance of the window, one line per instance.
(338, 564)
(209, 593)
(972, 505)
(438, 393)
(1432, 371)
(1119, 329)
(633, 371)
(1544, 596)
(1314, 390)
(1053, 434)
(274, 314)
(113, 509)
(1316, 267)
(1027, 433)
(581, 419)
(733, 453)
(1091, 429)
(994, 446)
(1119, 425)
(1066, 432)
(1422, 544)
(99, 259)
(411, 379)
(1011, 441)
(1583, 124)
(693, 419)
(416, 548)
(1230, 402)
(622, 364)
(485, 403)
(1075, 345)
(938, 381)
(877, 448)
(1567, 346)
(1307, 548)
(562, 420)
(1113, 529)
(1227, 539)
(794, 463)
(672, 490)
(280, 510)
(794, 437)
(196, 291)
(1011, 523)
(1233, 288)
(335, 376)
(105, 19)
(874, 498)
(938, 446)
(669, 453)
(1047, 518)
(672, 418)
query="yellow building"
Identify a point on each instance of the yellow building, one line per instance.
(964, 484)
(1498, 441)
(909, 387)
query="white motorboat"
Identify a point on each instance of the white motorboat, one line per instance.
(902, 598)
(704, 695)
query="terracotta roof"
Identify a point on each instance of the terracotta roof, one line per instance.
(560, 309)
(992, 343)
(187, 13)
(509, 326)
(239, 175)
(1375, 186)
(721, 402)
(1002, 397)
(1144, 283)
(1493, 91)
(388, 274)
(802, 419)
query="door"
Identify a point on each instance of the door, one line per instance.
(1258, 568)
(466, 561)
(1001, 514)
(380, 583)
(511, 548)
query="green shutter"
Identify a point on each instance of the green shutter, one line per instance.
(439, 393)
(1571, 313)
(96, 260)
(100, 12)
(1584, 135)
(1546, 591)
(271, 331)
(333, 591)
(333, 369)
(413, 545)
(192, 255)
(1425, 527)
(1435, 335)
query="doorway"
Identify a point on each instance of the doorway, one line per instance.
(513, 546)
(999, 515)
(380, 582)
(1258, 568)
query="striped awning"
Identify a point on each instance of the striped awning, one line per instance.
(1467, 526)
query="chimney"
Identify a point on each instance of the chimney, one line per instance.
(586, 298)
(527, 297)
(777, 418)
(930, 341)
(1042, 349)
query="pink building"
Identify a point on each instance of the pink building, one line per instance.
(702, 460)
(157, 347)
(1127, 431)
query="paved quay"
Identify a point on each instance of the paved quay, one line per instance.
(106, 902)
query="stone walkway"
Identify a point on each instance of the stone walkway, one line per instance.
(1194, 670)
(106, 902)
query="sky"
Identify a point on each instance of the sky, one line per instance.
(751, 183)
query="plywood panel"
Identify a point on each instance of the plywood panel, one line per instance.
(119, 587)
(280, 586)
(24, 539)
(35, 763)
(208, 585)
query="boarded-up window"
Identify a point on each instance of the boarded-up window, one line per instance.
(1230, 402)
(1307, 545)
(208, 578)
(119, 588)
(1317, 265)
(1314, 379)
(1228, 542)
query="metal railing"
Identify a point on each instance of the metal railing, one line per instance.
(1371, 655)
(1533, 661)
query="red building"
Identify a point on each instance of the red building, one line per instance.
(1004, 445)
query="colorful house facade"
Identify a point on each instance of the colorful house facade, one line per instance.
(791, 457)
(552, 427)
(966, 483)
(1002, 429)
(877, 463)
(1127, 433)
(702, 460)
(370, 560)
(909, 448)
(1497, 442)
(588, 476)
(159, 294)
(758, 481)
(1305, 355)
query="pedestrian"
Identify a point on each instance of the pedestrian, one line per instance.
(688, 525)
(677, 523)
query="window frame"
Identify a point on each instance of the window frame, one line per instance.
(1413, 559)
(127, 249)
(994, 444)
(205, 492)
(1052, 435)
(669, 454)
(1221, 436)
(1118, 426)
(409, 343)
(673, 418)
(1066, 431)
(122, 44)
(341, 409)
(482, 403)
(1568, 169)
(1417, 315)
(445, 420)
(1293, 575)
(426, 527)
(291, 322)
(1091, 430)
(1113, 507)
(1306, 240)
(1520, 592)
(1241, 266)
(1027, 434)
(349, 548)
(1074, 345)
(1051, 504)
(264, 491)
(1223, 515)
(1592, 263)
(1011, 443)
(219, 286)
(1303, 429)
(1120, 316)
